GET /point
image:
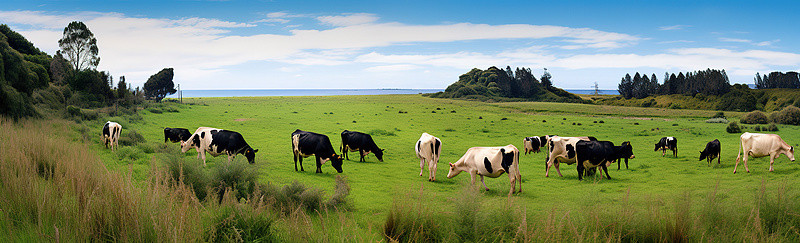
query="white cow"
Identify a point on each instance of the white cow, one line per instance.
(491, 162)
(111, 131)
(761, 145)
(428, 148)
(200, 141)
(562, 150)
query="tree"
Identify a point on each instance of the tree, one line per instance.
(122, 88)
(546, 79)
(79, 46)
(160, 85)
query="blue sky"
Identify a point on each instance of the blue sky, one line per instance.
(417, 44)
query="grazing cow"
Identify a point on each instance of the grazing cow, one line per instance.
(361, 142)
(534, 144)
(428, 148)
(217, 142)
(591, 154)
(176, 135)
(619, 161)
(711, 152)
(305, 144)
(562, 150)
(491, 162)
(665, 143)
(761, 145)
(111, 131)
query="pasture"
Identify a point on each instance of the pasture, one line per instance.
(395, 122)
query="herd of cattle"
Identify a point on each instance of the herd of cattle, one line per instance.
(587, 152)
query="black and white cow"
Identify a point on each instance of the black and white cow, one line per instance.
(712, 151)
(591, 154)
(562, 150)
(305, 144)
(217, 142)
(491, 162)
(361, 142)
(428, 148)
(111, 131)
(665, 143)
(534, 144)
(176, 135)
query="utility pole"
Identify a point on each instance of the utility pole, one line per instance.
(596, 88)
(180, 94)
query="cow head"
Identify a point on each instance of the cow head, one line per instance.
(336, 162)
(791, 153)
(194, 141)
(454, 171)
(379, 154)
(703, 155)
(627, 151)
(250, 154)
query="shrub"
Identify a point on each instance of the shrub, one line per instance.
(733, 127)
(154, 110)
(772, 128)
(236, 175)
(131, 138)
(755, 117)
(717, 120)
(235, 222)
(381, 132)
(789, 115)
(189, 173)
(675, 106)
(719, 114)
(757, 128)
(411, 221)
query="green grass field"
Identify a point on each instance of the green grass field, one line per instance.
(267, 122)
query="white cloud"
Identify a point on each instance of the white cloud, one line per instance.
(348, 19)
(391, 68)
(674, 27)
(767, 43)
(734, 40)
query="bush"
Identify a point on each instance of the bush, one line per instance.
(189, 173)
(719, 115)
(131, 138)
(412, 221)
(789, 115)
(381, 132)
(717, 120)
(755, 117)
(240, 223)
(733, 127)
(154, 110)
(757, 128)
(236, 175)
(772, 128)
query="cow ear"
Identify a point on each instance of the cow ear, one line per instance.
(452, 165)
(382, 150)
(502, 151)
(255, 151)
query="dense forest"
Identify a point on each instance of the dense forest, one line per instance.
(498, 84)
(708, 82)
(788, 80)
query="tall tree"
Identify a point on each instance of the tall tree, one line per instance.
(546, 79)
(79, 46)
(160, 85)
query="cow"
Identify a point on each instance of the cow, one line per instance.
(491, 162)
(111, 131)
(711, 151)
(361, 142)
(176, 135)
(562, 150)
(592, 154)
(428, 148)
(534, 144)
(665, 143)
(305, 144)
(217, 142)
(761, 145)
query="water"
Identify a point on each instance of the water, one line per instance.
(329, 92)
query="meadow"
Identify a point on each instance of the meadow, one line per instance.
(660, 194)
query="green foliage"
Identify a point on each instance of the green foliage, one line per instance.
(497, 84)
(160, 85)
(788, 80)
(790, 115)
(772, 128)
(14, 104)
(740, 98)
(130, 137)
(79, 46)
(381, 132)
(707, 82)
(189, 172)
(18, 42)
(733, 127)
(92, 87)
(412, 221)
(236, 175)
(719, 115)
(717, 120)
(240, 223)
(755, 117)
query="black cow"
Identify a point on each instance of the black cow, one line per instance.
(619, 161)
(176, 134)
(665, 143)
(711, 152)
(305, 144)
(591, 154)
(361, 142)
(230, 143)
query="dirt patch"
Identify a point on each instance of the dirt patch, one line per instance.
(242, 119)
(638, 118)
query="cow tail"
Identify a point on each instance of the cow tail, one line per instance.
(738, 154)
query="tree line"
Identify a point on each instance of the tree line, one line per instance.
(33, 82)
(709, 81)
(502, 84)
(788, 80)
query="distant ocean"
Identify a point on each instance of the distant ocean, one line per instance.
(328, 92)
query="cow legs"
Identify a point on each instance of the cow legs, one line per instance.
(771, 160)
(431, 170)
(295, 160)
(603, 166)
(319, 164)
(558, 170)
(203, 156)
(361, 153)
(719, 156)
(484, 183)
(421, 165)
(580, 171)
(675, 152)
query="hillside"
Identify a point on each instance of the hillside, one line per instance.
(506, 85)
(23, 69)
(739, 99)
